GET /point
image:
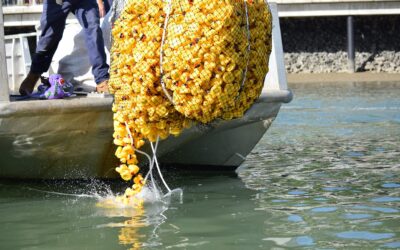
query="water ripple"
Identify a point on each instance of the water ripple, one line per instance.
(329, 168)
(364, 235)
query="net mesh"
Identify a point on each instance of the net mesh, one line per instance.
(178, 61)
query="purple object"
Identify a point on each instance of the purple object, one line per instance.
(55, 87)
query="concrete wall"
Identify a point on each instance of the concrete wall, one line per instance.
(303, 8)
(318, 44)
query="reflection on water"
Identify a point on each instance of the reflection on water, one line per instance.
(325, 176)
(145, 211)
(136, 218)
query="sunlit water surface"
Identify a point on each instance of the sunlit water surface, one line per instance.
(325, 176)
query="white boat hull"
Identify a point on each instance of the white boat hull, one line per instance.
(73, 138)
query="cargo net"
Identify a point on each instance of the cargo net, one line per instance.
(174, 62)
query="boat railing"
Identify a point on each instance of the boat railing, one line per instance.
(18, 59)
(4, 92)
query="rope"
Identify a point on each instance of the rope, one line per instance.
(168, 12)
(158, 167)
(131, 138)
(152, 160)
(248, 50)
(150, 173)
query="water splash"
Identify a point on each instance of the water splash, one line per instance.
(150, 194)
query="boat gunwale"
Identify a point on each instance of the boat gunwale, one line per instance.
(87, 104)
(70, 105)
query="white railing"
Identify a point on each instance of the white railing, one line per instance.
(21, 2)
(4, 92)
(18, 59)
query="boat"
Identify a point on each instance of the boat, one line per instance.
(72, 138)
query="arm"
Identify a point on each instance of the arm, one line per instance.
(102, 11)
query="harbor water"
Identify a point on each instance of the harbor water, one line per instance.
(325, 176)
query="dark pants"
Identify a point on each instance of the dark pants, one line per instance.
(53, 23)
(107, 5)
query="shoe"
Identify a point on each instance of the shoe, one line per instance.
(28, 84)
(103, 87)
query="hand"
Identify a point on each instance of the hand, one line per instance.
(102, 11)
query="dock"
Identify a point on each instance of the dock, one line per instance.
(29, 16)
(315, 8)
(347, 8)
(26, 15)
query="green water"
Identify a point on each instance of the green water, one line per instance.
(325, 176)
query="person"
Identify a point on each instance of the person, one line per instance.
(104, 6)
(52, 22)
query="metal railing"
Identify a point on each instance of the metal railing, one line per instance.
(21, 2)
(4, 92)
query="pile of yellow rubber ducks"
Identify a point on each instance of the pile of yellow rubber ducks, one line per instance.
(179, 61)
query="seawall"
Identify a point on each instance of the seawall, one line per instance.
(318, 44)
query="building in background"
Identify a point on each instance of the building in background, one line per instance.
(21, 2)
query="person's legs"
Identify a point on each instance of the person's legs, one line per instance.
(52, 24)
(107, 5)
(87, 13)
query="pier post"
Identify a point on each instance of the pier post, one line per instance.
(4, 92)
(350, 45)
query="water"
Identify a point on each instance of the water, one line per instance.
(325, 176)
